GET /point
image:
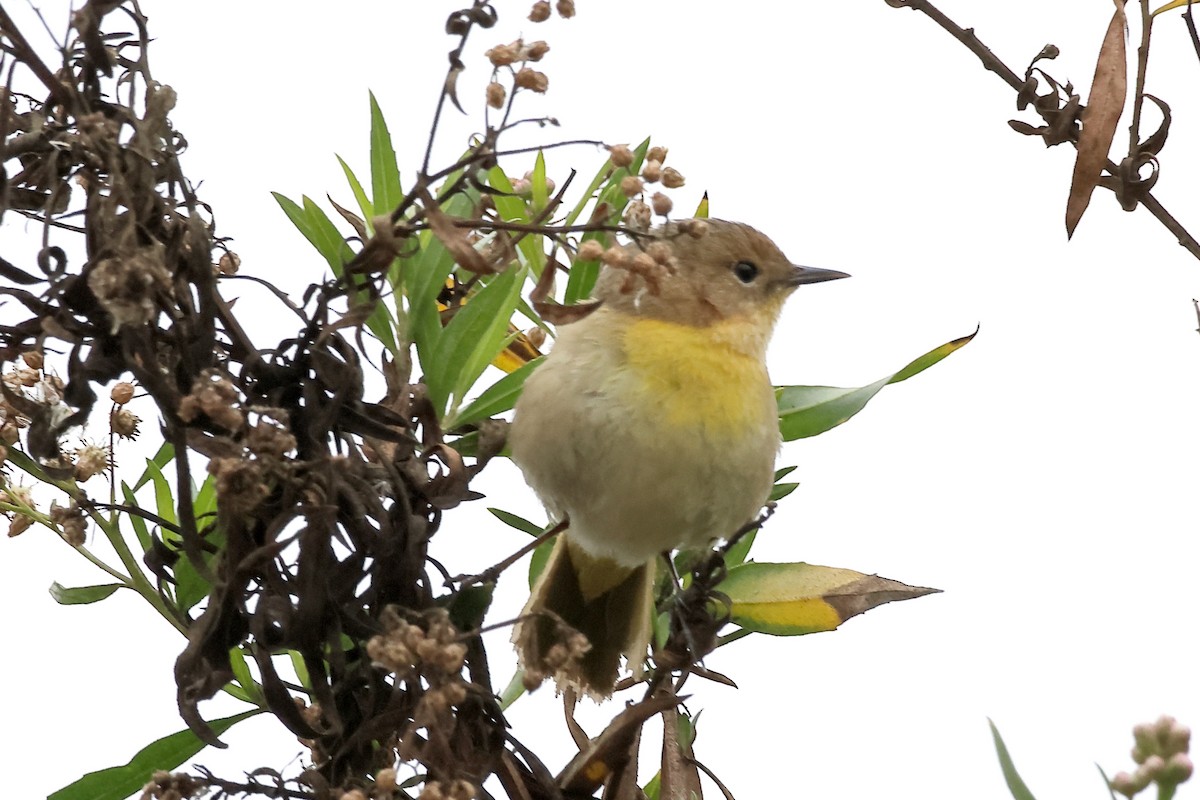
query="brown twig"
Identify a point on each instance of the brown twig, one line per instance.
(991, 62)
(28, 56)
(490, 574)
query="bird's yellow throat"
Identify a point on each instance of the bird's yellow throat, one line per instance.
(701, 376)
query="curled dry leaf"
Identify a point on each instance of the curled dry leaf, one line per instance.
(455, 240)
(1106, 100)
(551, 311)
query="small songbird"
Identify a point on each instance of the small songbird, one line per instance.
(652, 425)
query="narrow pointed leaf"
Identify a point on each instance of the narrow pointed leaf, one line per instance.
(809, 410)
(514, 691)
(473, 337)
(140, 529)
(1112, 795)
(1106, 100)
(360, 194)
(118, 783)
(385, 175)
(499, 397)
(582, 277)
(424, 276)
(241, 673)
(1016, 786)
(160, 459)
(537, 183)
(512, 208)
(795, 599)
(520, 523)
(320, 231)
(782, 490)
(81, 595)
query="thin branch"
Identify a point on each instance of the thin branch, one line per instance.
(490, 574)
(991, 62)
(26, 54)
(1190, 21)
(1140, 84)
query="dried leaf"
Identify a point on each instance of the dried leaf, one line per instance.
(679, 776)
(1106, 100)
(454, 239)
(609, 752)
(356, 222)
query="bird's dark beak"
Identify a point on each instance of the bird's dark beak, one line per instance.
(801, 275)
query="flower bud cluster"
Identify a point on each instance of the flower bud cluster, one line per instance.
(516, 56)
(643, 205)
(428, 651)
(164, 785)
(71, 522)
(570, 649)
(1161, 752)
(458, 789)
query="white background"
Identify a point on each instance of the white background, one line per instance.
(1043, 477)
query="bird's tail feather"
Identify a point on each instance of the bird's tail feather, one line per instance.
(616, 620)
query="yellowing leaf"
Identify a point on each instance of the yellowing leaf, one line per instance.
(795, 599)
(1171, 5)
(1106, 100)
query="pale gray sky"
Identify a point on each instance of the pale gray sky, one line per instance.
(1043, 477)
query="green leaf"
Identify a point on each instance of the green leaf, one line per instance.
(513, 208)
(497, 398)
(468, 607)
(140, 529)
(809, 410)
(301, 668)
(190, 586)
(164, 456)
(385, 175)
(582, 277)
(740, 551)
(1107, 783)
(81, 595)
(590, 192)
(1016, 786)
(513, 691)
(164, 500)
(537, 183)
(204, 503)
(316, 227)
(118, 783)
(782, 490)
(541, 555)
(326, 237)
(653, 787)
(472, 339)
(424, 276)
(520, 523)
(360, 194)
(241, 673)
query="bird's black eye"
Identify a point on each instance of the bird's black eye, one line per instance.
(745, 271)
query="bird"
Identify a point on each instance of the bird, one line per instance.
(650, 426)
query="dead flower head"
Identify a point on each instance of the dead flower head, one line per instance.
(131, 287)
(71, 521)
(215, 396)
(527, 78)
